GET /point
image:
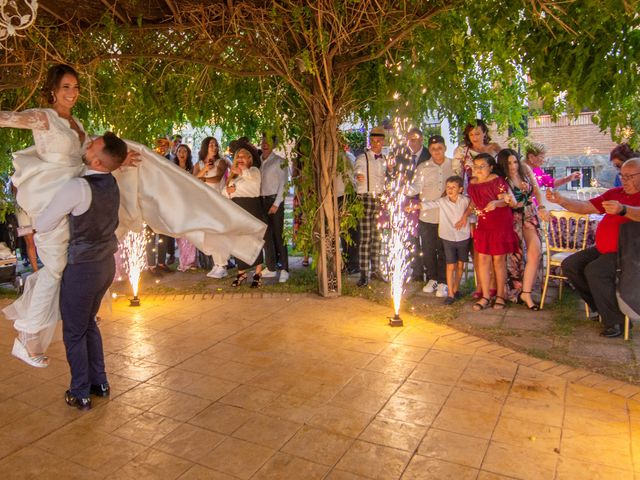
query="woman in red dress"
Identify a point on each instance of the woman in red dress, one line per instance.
(494, 236)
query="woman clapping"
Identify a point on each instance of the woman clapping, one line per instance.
(243, 188)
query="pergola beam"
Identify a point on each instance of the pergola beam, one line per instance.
(115, 11)
(52, 13)
(172, 6)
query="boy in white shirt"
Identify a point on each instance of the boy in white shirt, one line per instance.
(454, 231)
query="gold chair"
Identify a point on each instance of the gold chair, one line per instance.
(587, 193)
(565, 234)
(627, 321)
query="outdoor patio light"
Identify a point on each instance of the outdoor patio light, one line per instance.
(16, 15)
(397, 247)
(135, 260)
(396, 321)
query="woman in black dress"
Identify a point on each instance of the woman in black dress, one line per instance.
(243, 188)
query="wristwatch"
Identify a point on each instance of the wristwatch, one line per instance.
(623, 212)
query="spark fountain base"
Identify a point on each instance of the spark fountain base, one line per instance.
(396, 321)
(134, 302)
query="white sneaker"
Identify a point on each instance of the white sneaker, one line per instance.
(430, 287)
(218, 271)
(442, 290)
(284, 276)
(266, 273)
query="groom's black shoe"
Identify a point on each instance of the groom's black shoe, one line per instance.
(80, 403)
(100, 390)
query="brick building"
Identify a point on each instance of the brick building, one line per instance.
(572, 144)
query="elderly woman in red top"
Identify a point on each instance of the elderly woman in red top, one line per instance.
(593, 271)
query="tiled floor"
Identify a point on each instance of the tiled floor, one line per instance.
(299, 387)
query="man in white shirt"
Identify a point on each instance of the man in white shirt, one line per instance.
(273, 170)
(429, 182)
(370, 173)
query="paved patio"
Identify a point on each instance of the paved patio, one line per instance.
(297, 387)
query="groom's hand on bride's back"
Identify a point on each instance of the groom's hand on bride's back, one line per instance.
(132, 160)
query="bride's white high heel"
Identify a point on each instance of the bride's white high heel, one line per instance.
(20, 351)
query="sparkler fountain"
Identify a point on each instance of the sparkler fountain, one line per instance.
(396, 246)
(135, 260)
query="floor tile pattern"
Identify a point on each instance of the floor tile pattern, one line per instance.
(286, 387)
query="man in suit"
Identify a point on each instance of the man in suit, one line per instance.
(176, 141)
(91, 202)
(406, 162)
(167, 244)
(408, 158)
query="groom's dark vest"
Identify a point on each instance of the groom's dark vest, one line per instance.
(93, 233)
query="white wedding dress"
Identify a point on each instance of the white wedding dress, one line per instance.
(156, 192)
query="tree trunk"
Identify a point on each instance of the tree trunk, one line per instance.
(325, 150)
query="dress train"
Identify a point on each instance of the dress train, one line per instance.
(155, 192)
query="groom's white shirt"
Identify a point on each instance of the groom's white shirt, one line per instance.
(74, 198)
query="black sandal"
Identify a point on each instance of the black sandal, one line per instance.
(501, 305)
(481, 306)
(240, 279)
(535, 307)
(257, 280)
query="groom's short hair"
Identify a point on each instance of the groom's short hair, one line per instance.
(115, 151)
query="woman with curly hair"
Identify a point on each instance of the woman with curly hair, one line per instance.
(476, 141)
(243, 188)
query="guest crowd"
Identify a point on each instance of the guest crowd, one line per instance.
(482, 205)
(485, 205)
(255, 180)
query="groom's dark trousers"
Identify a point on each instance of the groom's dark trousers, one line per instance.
(83, 286)
(89, 272)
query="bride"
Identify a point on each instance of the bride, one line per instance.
(157, 193)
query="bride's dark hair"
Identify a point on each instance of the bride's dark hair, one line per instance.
(54, 77)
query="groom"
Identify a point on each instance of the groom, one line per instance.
(91, 202)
